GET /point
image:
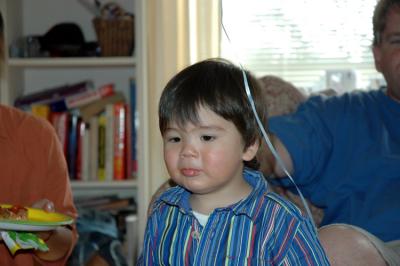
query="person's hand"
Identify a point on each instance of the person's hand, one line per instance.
(48, 206)
(44, 204)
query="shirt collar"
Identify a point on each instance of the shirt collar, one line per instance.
(179, 196)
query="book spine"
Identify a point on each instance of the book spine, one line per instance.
(109, 149)
(89, 96)
(81, 99)
(86, 170)
(60, 123)
(94, 147)
(41, 110)
(134, 122)
(96, 107)
(79, 151)
(102, 148)
(128, 161)
(119, 141)
(72, 146)
(53, 94)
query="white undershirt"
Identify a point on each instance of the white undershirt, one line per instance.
(202, 218)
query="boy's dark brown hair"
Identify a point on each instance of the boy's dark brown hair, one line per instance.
(216, 84)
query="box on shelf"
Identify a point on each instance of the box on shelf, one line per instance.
(115, 36)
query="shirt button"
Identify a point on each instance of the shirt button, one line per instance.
(195, 235)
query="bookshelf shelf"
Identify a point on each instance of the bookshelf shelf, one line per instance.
(129, 184)
(73, 62)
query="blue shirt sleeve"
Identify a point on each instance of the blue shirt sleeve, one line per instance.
(307, 134)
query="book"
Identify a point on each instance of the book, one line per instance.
(72, 146)
(129, 173)
(60, 122)
(94, 147)
(119, 141)
(101, 174)
(134, 123)
(52, 94)
(86, 170)
(109, 142)
(95, 108)
(82, 157)
(41, 110)
(82, 98)
(79, 148)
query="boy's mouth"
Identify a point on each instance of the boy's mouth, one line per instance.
(190, 172)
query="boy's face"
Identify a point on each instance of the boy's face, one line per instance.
(206, 158)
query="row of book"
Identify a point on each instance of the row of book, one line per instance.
(96, 128)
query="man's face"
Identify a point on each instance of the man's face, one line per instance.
(387, 53)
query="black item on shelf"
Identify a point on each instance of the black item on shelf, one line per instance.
(66, 40)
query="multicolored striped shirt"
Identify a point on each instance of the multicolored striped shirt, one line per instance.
(262, 229)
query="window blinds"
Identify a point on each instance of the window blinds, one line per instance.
(299, 40)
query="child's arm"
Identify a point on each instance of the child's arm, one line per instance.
(305, 248)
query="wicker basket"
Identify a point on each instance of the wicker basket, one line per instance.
(115, 36)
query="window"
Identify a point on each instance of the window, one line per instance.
(300, 40)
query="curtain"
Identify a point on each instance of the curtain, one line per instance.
(180, 33)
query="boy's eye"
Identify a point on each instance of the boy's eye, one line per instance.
(207, 138)
(174, 139)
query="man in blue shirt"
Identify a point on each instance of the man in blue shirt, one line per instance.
(344, 154)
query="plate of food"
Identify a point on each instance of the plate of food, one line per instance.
(19, 218)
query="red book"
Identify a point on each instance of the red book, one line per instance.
(50, 95)
(128, 126)
(101, 173)
(60, 124)
(119, 141)
(81, 99)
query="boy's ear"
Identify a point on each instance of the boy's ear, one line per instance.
(251, 151)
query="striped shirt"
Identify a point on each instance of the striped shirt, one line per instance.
(262, 229)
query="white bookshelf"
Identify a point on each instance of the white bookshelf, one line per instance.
(23, 75)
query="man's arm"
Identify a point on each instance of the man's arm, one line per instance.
(268, 163)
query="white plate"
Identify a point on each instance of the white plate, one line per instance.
(26, 227)
(38, 220)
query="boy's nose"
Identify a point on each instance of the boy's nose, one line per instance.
(188, 150)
